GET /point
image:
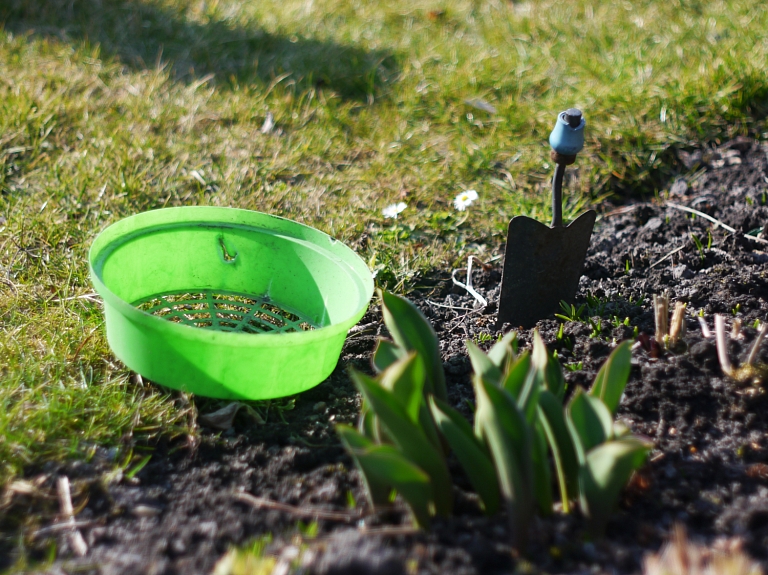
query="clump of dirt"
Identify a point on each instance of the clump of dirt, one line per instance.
(708, 470)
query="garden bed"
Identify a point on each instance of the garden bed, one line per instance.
(708, 471)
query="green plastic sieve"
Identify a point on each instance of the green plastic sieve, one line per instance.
(227, 303)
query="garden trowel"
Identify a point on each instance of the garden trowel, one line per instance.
(542, 265)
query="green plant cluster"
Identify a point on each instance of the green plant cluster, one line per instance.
(521, 433)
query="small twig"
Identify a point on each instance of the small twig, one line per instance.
(390, 530)
(756, 346)
(66, 526)
(10, 284)
(704, 327)
(666, 257)
(92, 297)
(68, 515)
(714, 221)
(620, 211)
(361, 328)
(263, 503)
(82, 343)
(721, 339)
(430, 302)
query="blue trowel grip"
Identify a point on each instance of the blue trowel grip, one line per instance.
(565, 139)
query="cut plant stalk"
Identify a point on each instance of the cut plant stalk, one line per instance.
(677, 327)
(750, 372)
(661, 315)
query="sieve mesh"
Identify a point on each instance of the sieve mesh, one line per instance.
(224, 311)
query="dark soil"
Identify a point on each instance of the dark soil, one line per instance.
(708, 471)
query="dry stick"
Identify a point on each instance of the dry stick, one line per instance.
(704, 327)
(756, 346)
(722, 345)
(666, 257)
(430, 302)
(714, 221)
(263, 503)
(68, 515)
(56, 527)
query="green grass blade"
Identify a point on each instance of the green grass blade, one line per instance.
(612, 378)
(471, 453)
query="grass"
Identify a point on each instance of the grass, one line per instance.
(108, 109)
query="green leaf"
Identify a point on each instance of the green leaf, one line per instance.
(368, 424)
(376, 485)
(482, 364)
(555, 379)
(409, 438)
(405, 379)
(606, 472)
(561, 445)
(517, 372)
(542, 476)
(389, 468)
(503, 350)
(590, 420)
(470, 452)
(505, 431)
(411, 330)
(612, 378)
(540, 357)
(386, 354)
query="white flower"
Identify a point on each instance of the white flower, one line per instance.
(393, 210)
(464, 199)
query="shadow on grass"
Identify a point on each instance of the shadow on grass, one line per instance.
(147, 33)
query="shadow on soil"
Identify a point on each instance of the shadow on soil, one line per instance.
(144, 34)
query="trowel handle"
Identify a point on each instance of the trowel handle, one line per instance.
(567, 140)
(557, 196)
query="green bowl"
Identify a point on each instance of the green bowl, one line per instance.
(227, 303)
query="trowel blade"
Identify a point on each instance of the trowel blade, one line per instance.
(542, 266)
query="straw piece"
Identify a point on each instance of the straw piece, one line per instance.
(76, 540)
(736, 329)
(661, 314)
(756, 346)
(677, 329)
(722, 345)
(704, 327)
